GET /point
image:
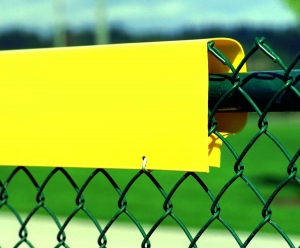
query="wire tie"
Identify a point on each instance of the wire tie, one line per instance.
(144, 164)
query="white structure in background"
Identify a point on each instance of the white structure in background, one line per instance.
(102, 30)
(60, 33)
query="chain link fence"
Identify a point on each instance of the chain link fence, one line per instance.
(214, 200)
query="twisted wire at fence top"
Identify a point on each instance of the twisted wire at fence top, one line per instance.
(167, 205)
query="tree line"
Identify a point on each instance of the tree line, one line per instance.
(283, 42)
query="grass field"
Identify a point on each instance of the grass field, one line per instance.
(265, 166)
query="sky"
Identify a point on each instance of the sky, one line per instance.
(141, 16)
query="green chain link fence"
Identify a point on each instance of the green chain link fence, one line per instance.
(289, 83)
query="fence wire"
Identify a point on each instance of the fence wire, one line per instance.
(238, 175)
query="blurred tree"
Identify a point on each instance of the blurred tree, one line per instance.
(294, 5)
(19, 39)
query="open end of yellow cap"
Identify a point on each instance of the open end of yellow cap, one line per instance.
(228, 123)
